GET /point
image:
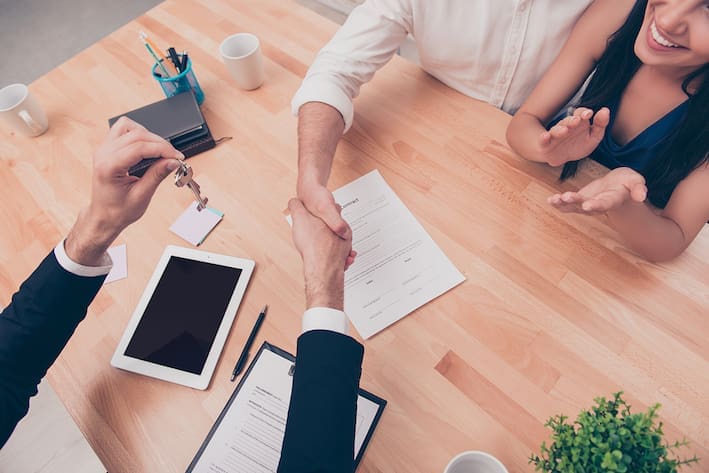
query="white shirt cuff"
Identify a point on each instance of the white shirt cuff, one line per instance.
(79, 269)
(324, 318)
(313, 90)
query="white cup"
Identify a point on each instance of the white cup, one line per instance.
(475, 462)
(22, 111)
(241, 53)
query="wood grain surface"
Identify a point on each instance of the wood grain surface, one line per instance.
(554, 311)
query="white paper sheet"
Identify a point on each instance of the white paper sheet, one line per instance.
(250, 435)
(120, 264)
(366, 412)
(398, 267)
(194, 225)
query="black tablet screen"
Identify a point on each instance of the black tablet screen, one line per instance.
(181, 320)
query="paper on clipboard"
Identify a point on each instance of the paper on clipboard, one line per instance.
(248, 434)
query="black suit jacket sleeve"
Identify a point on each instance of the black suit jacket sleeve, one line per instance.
(33, 331)
(320, 430)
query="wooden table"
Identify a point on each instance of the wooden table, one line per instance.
(554, 310)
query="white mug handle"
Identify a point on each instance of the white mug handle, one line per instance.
(29, 121)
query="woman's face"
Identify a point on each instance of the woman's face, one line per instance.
(675, 33)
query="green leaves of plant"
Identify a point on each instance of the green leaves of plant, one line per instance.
(608, 438)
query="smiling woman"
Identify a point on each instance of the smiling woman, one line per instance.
(674, 34)
(643, 115)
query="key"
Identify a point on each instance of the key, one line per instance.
(183, 177)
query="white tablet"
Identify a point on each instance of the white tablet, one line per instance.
(179, 327)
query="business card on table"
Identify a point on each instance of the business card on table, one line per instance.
(120, 264)
(194, 225)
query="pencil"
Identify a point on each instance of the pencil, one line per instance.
(157, 51)
(157, 60)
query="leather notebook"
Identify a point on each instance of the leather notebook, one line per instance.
(179, 120)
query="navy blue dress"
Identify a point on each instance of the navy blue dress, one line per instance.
(638, 152)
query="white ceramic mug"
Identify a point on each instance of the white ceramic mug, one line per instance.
(475, 462)
(241, 53)
(21, 111)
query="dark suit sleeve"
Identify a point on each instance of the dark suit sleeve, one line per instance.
(320, 430)
(34, 328)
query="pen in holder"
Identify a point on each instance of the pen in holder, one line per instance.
(179, 83)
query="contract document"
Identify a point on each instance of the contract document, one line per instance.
(248, 434)
(398, 267)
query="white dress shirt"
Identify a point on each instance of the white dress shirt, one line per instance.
(315, 318)
(79, 269)
(324, 318)
(491, 50)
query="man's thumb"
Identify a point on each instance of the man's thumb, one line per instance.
(156, 174)
(162, 169)
(337, 224)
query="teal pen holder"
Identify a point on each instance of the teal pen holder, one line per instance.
(179, 83)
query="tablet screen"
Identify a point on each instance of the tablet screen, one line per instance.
(183, 315)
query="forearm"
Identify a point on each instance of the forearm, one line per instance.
(523, 134)
(44, 313)
(369, 38)
(652, 236)
(325, 287)
(90, 237)
(325, 387)
(320, 128)
(34, 329)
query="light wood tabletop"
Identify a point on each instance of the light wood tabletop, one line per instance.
(554, 310)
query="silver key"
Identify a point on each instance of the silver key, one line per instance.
(183, 177)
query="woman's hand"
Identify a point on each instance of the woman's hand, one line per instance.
(606, 193)
(575, 137)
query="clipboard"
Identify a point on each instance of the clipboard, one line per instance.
(363, 395)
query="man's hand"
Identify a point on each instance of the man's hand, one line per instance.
(320, 128)
(606, 193)
(325, 258)
(320, 202)
(575, 137)
(117, 199)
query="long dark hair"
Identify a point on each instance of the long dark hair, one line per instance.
(683, 150)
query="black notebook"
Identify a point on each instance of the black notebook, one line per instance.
(179, 120)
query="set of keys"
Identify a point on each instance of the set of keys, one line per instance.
(183, 177)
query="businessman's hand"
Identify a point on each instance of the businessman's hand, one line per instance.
(320, 127)
(325, 258)
(320, 202)
(117, 199)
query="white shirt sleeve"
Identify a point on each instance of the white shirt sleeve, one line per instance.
(79, 269)
(324, 318)
(366, 42)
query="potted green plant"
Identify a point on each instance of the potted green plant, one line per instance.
(609, 438)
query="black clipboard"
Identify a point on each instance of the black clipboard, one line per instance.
(381, 403)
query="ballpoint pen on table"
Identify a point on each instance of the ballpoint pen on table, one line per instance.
(183, 66)
(175, 60)
(241, 362)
